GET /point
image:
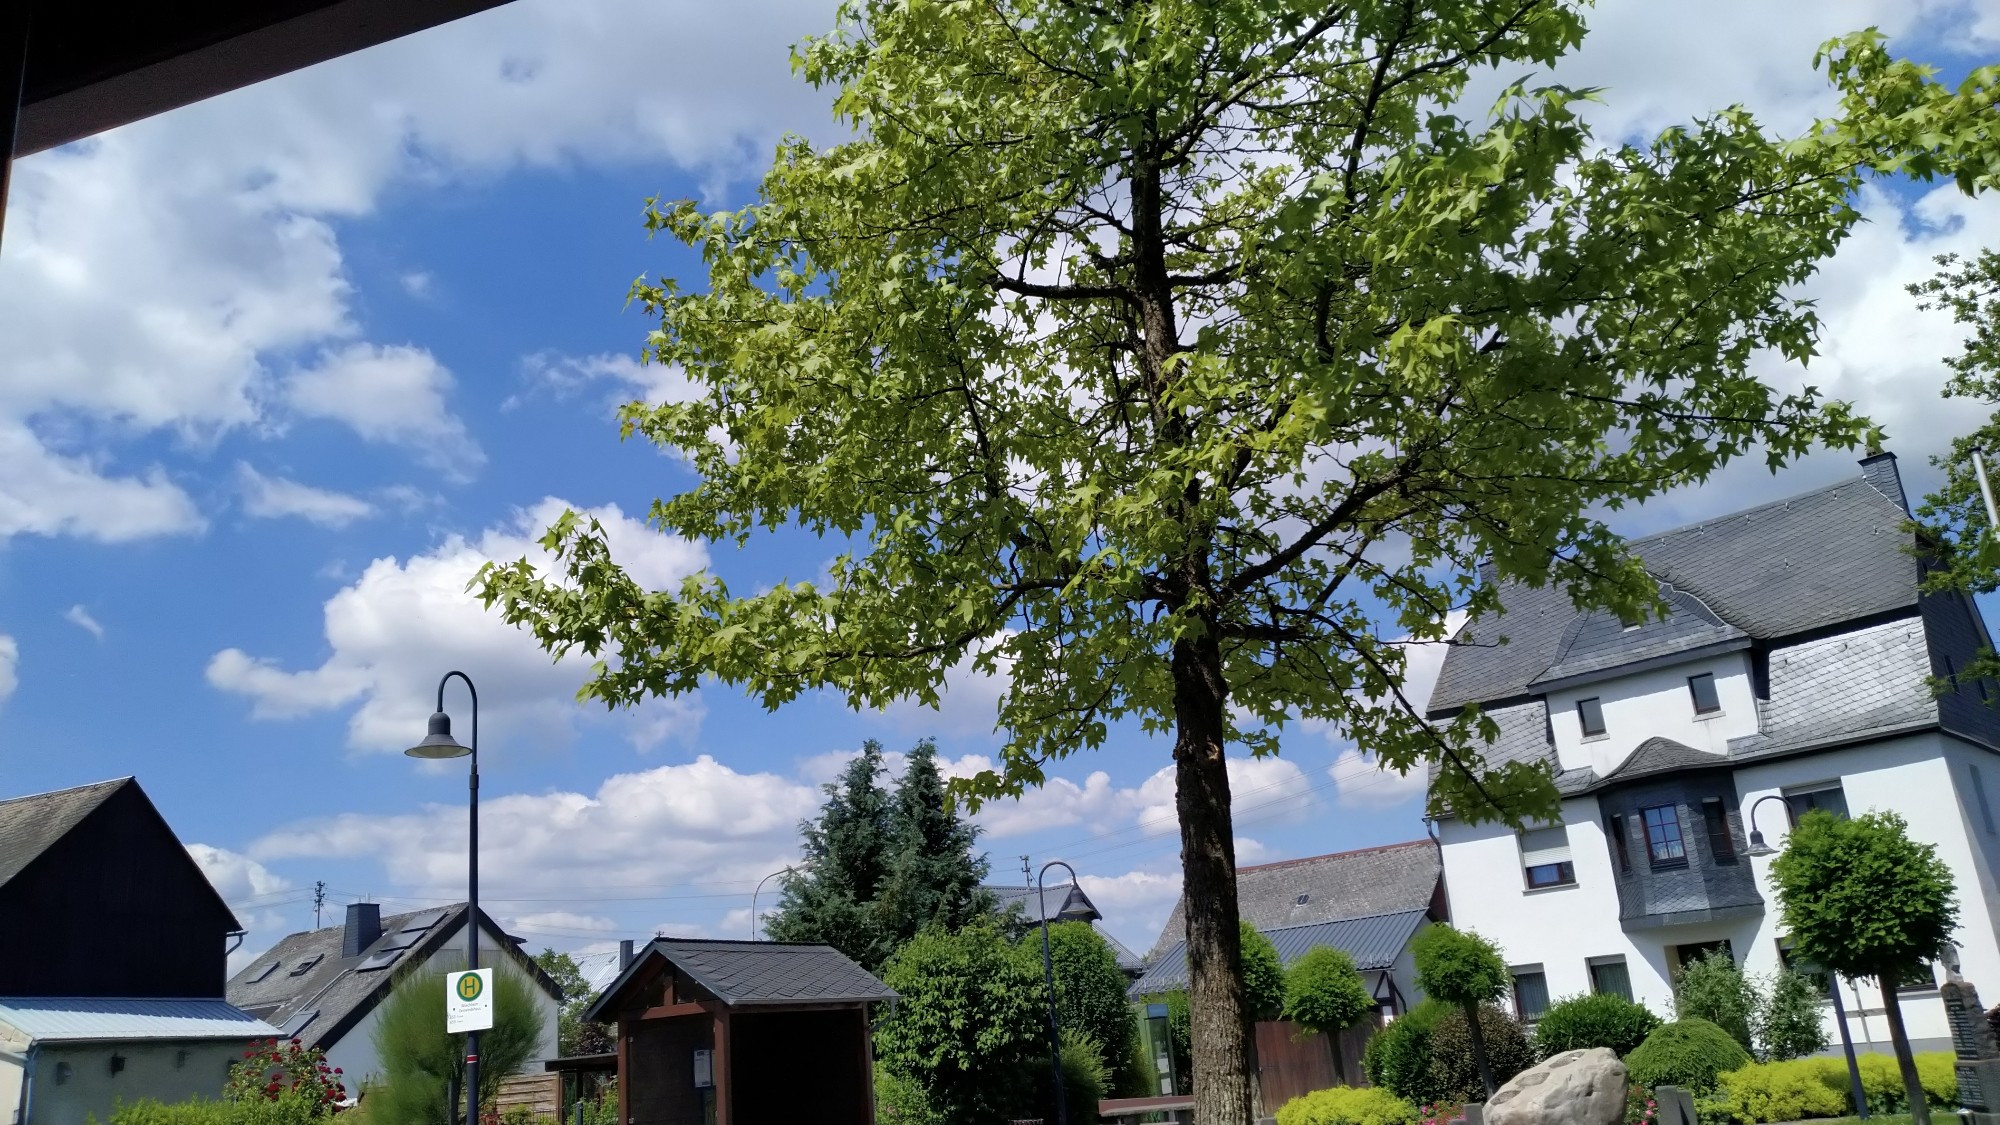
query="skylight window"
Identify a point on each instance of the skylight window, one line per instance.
(1303, 899)
(1702, 689)
(268, 970)
(306, 966)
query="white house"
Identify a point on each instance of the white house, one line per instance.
(325, 987)
(1794, 666)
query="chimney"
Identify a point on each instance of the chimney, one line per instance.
(1879, 470)
(364, 925)
(624, 955)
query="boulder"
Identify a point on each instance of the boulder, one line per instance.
(1573, 1088)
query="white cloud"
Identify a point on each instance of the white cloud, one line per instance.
(10, 665)
(565, 375)
(402, 624)
(968, 700)
(1364, 783)
(698, 822)
(276, 498)
(1136, 904)
(417, 283)
(393, 395)
(255, 894)
(80, 617)
(46, 492)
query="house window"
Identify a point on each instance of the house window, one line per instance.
(1979, 792)
(1790, 960)
(1545, 859)
(1663, 836)
(1531, 993)
(1920, 978)
(1702, 688)
(1685, 955)
(1714, 818)
(1615, 829)
(1609, 975)
(1827, 796)
(1590, 712)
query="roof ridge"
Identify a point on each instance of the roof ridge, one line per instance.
(746, 941)
(1344, 921)
(1426, 841)
(1780, 502)
(69, 789)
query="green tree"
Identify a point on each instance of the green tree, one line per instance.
(969, 1029)
(1862, 899)
(1182, 358)
(934, 876)
(421, 1061)
(1463, 969)
(1712, 988)
(1090, 992)
(574, 1034)
(848, 854)
(1263, 974)
(1324, 992)
(1788, 1024)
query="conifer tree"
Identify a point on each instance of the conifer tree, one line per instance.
(934, 876)
(848, 851)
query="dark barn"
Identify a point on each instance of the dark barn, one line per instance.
(742, 1033)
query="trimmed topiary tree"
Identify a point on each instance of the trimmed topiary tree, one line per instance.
(1860, 898)
(1263, 975)
(1398, 1057)
(1324, 992)
(1463, 969)
(1689, 1053)
(1454, 1074)
(1578, 1023)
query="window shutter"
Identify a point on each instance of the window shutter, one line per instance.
(1545, 845)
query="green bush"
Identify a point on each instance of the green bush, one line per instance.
(969, 1027)
(1801, 1089)
(1715, 990)
(148, 1111)
(1085, 1076)
(1345, 1105)
(1398, 1057)
(1454, 1072)
(1787, 1022)
(899, 1101)
(1689, 1053)
(1580, 1022)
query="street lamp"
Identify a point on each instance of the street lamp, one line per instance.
(440, 744)
(1759, 849)
(756, 892)
(1075, 908)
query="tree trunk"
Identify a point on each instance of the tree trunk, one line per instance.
(1892, 1008)
(1218, 1027)
(1477, 1034)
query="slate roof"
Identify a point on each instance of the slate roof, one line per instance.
(30, 825)
(1871, 681)
(1374, 943)
(317, 995)
(1792, 566)
(1007, 895)
(743, 974)
(68, 1019)
(1367, 882)
(1663, 755)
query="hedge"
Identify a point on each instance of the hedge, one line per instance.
(1800, 1089)
(1578, 1023)
(1346, 1105)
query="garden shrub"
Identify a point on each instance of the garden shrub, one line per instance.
(1714, 989)
(1578, 1023)
(149, 1111)
(1689, 1053)
(1346, 1105)
(1085, 1076)
(1801, 1089)
(899, 1101)
(1787, 1021)
(1398, 1057)
(1454, 1072)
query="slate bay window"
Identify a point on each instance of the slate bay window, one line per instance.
(1545, 858)
(1702, 688)
(1715, 819)
(1531, 992)
(1609, 975)
(1663, 836)
(1590, 712)
(1827, 796)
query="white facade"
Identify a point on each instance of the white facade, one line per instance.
(354, 1052)
(1933, 780)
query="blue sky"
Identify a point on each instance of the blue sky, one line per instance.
(287, 365)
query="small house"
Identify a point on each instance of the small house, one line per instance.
(742, 1033)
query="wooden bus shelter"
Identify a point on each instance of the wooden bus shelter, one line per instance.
(742, 1033)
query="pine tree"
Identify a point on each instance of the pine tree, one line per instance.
(934, 876)
(848, 851)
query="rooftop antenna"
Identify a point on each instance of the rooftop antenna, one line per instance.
(319, 900)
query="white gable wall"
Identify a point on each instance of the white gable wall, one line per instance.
(1654, 703)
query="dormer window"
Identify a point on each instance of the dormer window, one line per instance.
(1590, 712)
(1302, 900)
(1630, 621)
(1702, 688)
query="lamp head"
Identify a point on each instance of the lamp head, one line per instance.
(439, 743)
(1758, 848)
(1077, 908)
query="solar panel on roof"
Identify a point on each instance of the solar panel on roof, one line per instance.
(423, 921)
(381, 959)
(402, 939)
(268, 970)
(298, 1022)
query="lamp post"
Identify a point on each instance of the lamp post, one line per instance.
(1759, 849)
(1075, 908)
(440, 744)
(753, 897)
